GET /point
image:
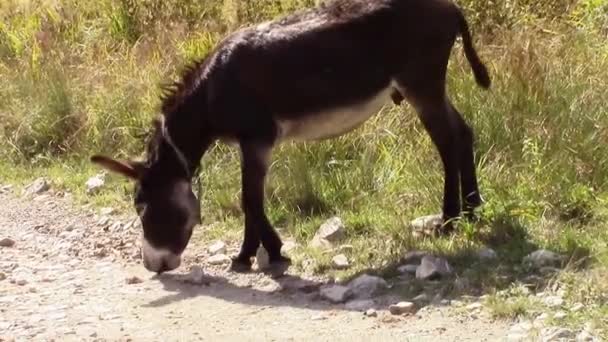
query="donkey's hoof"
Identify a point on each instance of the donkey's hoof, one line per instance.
(277, 268)
(240, 266)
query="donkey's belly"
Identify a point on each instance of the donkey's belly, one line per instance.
(333, 122)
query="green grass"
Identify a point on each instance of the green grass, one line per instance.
(80, 77)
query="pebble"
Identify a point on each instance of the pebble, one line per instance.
(262, 258)
(560, 315)
(218, 259)
(336, 293)
(432, 268)
(371, 313)
(365, 286)
(409, 268)
(134, 280)
(340, 262)
(37, 187)
(542, 258)
(7, 242)
(474, 306)
(577, 307)
(553, 301)
(21, 282)
(421, 298)
(2, 276)
(359, 304)
(95, 183)
(197, 276)
(429, 222)
(218, 247)
(584, 336)
(402, 308)
(331, 230)
(487, 254)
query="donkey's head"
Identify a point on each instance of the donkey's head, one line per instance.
(163, 199)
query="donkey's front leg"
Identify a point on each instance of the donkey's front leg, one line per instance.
(254, 166)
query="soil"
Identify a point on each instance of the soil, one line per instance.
(75, 275)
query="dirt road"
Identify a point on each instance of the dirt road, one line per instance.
(72, 275)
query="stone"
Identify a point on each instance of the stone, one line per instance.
(289, 246)
(359, 304)
(402, 308)
(462, 284)
(474, 306)
(107, 211)
(585, 336)
(2, 276)
(560, 315)
(487, 254)
(432, 268)
(37, 187)
(421, 298)
(95, 183)
(320, 243)
(197, 276)
(218, 259)
(429, 222)
(553, 301)
(371, 313)
(7, 242)
(218, 247)
(542, 258)
(331, 230)
(520, 331)
(262, 258)
(409, 268)
(366, 286)
(577, 307)
(414, 257)
(555, 334)
(336, 293)
(134, 280)
(340, 262)
(548, 270)
(21, 282)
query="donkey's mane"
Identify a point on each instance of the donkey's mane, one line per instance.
(174, 94)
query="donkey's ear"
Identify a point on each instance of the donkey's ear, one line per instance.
(130, 169)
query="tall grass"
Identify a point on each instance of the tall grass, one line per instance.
(78, 77)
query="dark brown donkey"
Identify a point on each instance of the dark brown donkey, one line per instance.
(315, 74)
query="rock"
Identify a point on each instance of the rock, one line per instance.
(560, 315)
(262, 258)
(548, 270)
(359, 304)
(585, 336)
(289, 246)
(197, 276)
(371, 313)
(520, 331)
(553, 301)
(414, 257)
(429, 222)
(421, 298)
(320, 243)
(340, 262)
(21, 282)
(336, 293)
(39, 186)
(409, 268)
(487, 254)
(218, 247)
(577, 307)
(402, 308)
(541, 258)
(95, 183)
(366, 286)
(2, 276)
(134, 280)
(7, 242)
(555, 334)
(474, 306)
(218, 259)
(106, 211)
(462, 284)
(332, 230)
(432, 268)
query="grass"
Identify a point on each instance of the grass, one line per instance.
(79, 78)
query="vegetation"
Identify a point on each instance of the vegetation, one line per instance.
(81, 77)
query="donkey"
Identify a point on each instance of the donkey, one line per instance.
(315, 74)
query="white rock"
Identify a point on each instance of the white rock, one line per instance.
(487, 254)
(197, 276)
(336, 293)
(289, 246)
(7, 242)
(218, 259)
(409, 268)
(262, 258)
(332, 230)
(320, 243)
(474, 306)
(402, 308)
(553, 301)
(577, 307)
(37, 187)
(560, 315)
(340, 261)
(555, 334)
(429, 222)
(95, 183)
(359, 304)
(541, 258)
(421, 298)
(218, 247)
(366, 286)
(432, 267)
(371, 313)
(585, 336)
(107, 211)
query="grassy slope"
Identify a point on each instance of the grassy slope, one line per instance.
(81, 77)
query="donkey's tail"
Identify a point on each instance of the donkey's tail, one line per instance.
(479, 69)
